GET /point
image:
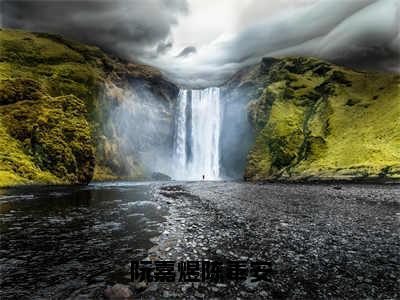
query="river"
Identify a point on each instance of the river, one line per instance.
(327, 240)
(55, 240)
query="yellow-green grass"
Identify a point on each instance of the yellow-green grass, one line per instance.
(53, 134)
(16, 167)
(53, 88)
(335, 124)
(47, 86)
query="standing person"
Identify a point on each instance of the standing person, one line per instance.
(204, 177)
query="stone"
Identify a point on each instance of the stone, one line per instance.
(140, 286)
(119, 292)
(249, 285)
(199, 295)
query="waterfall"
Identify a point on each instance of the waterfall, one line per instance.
(197, 135)
(180, 157)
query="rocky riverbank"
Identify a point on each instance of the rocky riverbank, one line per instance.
(321, 240)
(331, 240)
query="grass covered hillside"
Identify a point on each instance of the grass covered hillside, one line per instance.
(313, 119)
(52, 104)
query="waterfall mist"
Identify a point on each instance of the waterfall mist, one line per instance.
(200, 133)
(141, 126)
(237, 135)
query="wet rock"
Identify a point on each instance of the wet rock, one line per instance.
(184, 288)
(250, 285)
(199, 295)
(99, 278)
(140, 286)
(169, 294)
(119, 292)
(215, 289)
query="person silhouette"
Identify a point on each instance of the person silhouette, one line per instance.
(204, 177)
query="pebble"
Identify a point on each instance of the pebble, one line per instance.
(323, 232)
(199, 295)
(140, 286)
(119, 292)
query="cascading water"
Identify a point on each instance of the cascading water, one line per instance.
(197, 135)
(180, 153)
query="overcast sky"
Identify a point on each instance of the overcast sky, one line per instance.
(202, 42)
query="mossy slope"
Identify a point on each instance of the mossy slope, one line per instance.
(52, 106)
(316, 120)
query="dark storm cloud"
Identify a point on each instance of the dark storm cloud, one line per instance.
(348, 31)
(164, 47)
(187, 51)
(363, 34)
(128, 28)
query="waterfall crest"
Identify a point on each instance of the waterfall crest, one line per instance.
(197, 135)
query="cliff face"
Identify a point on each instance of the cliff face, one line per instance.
(70, 113)
(312, 119)
(54, 97)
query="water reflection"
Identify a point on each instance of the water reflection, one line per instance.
(57, 239)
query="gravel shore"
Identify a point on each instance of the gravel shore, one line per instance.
(321, 240)
(318, 240)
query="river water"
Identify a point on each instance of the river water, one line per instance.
(56, 240)
(325, 240)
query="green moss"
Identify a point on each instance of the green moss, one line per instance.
(46, 89)
(16, 167)
(52, 104)
(13, 90)
(55, 135)
(319, 120)
(29, 49)
(116, 166)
